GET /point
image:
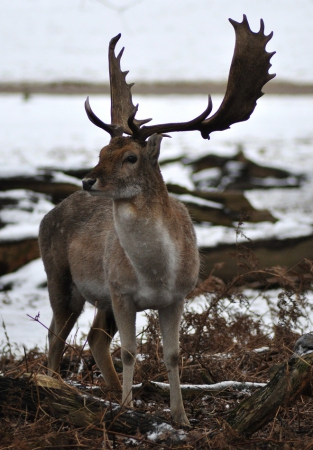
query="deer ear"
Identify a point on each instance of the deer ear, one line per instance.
(153, 147)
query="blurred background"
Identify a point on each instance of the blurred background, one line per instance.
(54, 53)
(165, 40)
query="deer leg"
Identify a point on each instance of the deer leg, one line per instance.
(63, 321)
(60, 328)
(125, 316)
(170, 318)
(99, 339)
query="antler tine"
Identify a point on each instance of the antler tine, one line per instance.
(248, 74)
(122, 107)
(144, 132)
(113, 130)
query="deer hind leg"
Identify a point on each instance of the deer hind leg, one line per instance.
(125, 316)
(99, 339)
(67, 307)
(170, 319)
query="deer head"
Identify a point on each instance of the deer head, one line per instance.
(248, 74)
(124, 170)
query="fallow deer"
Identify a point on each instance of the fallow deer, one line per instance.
(122, 243)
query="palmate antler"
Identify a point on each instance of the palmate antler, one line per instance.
(248, 74)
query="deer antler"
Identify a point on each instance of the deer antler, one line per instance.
(248, 74)
(121, 98)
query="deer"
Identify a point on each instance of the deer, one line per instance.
(122, 243)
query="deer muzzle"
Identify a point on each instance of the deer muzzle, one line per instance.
(88, 183)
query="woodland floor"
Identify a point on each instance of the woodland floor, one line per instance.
(213, 349)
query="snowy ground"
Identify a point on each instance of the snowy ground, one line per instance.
(54, 132)
(56, 41)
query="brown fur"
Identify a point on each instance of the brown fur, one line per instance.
(126, 248)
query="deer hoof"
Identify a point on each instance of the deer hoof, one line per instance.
(181, 420)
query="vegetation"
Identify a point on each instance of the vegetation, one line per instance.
(217, 344)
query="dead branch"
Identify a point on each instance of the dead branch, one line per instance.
(289, 382)
(192, 390)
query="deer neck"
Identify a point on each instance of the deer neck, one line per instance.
(143, 227)
(140, 216)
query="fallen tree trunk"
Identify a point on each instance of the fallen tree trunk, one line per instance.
(53, 396)
(64, 399)
(32, 393)
(44, 184)
(16, 253)
(284, 388)
(288, 253)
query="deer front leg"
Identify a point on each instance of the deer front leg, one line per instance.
(170, 318)
(125, 317)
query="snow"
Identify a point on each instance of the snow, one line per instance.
(187, 198)
(29, 298)
(187, 40)
(240, 385)
(23, 218)
(27, 149)
(164, 40)
(63, 138)
(164, 430)
(50, 130)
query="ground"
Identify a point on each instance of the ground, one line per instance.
(214, 348)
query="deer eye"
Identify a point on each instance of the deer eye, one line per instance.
(132, 159)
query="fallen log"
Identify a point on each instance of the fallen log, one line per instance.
(17, 253)
(239, 173)
(44, 184)
(31, 393)
(287, 253)
(222, 208)
(292, 379)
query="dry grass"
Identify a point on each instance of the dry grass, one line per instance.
(215, 346)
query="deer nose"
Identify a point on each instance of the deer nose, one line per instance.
(88, 183)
